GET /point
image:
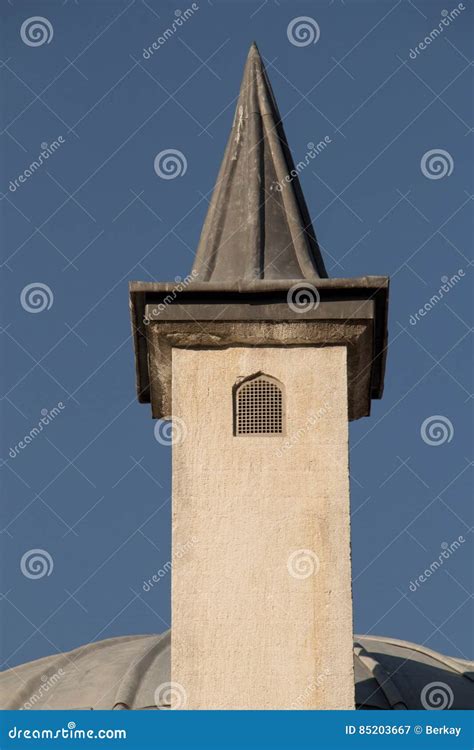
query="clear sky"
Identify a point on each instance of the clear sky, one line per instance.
(92, 489)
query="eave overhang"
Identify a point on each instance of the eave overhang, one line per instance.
(196, 315)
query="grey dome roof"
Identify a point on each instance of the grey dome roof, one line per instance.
(126, 673)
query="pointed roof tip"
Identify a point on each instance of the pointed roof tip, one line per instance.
(257, 226)
(256, 95)
(254, 58)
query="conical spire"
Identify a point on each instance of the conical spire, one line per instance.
(257, 225)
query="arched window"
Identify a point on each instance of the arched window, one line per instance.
(258, 406)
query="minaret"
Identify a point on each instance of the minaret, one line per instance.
(260, 360)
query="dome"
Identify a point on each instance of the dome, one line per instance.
(133, 672)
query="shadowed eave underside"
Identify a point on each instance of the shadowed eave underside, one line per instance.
(257, 224)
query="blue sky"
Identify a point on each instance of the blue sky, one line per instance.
(92, 490)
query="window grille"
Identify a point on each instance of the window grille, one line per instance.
(258, 407)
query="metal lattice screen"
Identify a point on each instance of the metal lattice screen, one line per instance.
(259, 408)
